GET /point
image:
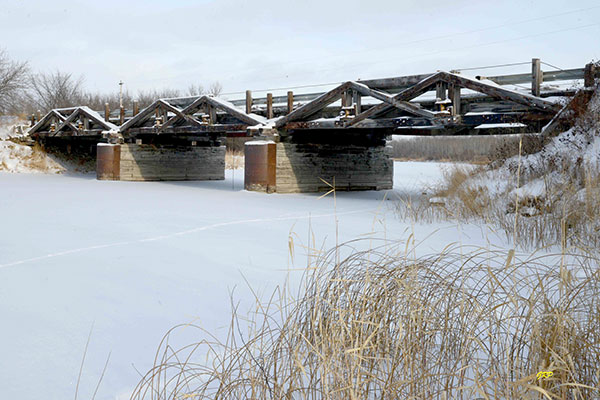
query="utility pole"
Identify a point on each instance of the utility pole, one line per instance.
(121, 108)
(120, 93)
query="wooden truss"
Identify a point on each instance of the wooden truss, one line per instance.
(200, 115)
(78, 121)
(350, 93)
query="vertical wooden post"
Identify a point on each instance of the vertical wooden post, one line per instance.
(32, 119)
(106, 112)
(269, 105)
(121, 115)
(347, 98)
(356, 98)
(589, 75)
(248, 101)
(440, 91)
(136, 107)
(536, 76)
(212, 114)
(454, 96)
(290, 102)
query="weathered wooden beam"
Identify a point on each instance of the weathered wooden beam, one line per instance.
(269, 105)
(141, 117)
(212, 114)
(290, 102)
(136, 108)
(441, 89)
(248, 102)
(314, 106)
(357, 100)
(121, 115)
(179, 114)
(391, 100)
(454, 95)
(536, 76)
(106, 112)
(589, 75)
(68, 123)
(500, 93)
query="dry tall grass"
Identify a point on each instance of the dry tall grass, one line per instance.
(383, 325)
(482, 148)
(234, 159)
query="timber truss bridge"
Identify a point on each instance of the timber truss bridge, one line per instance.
(339, 136)
(428, 104)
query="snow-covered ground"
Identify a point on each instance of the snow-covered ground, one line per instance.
(134, 259)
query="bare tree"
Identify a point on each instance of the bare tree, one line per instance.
(147, 97)
(194, 90)
(13, 83)
(56, 89)
(215, 89)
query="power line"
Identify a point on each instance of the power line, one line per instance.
(552, 66)
(444, 51)
(432, 38)
(493, 66)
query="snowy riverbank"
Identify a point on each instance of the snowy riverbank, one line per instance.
(134, 259)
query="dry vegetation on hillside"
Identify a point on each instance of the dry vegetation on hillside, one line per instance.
(538, 198)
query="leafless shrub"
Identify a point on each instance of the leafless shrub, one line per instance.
(56, 90)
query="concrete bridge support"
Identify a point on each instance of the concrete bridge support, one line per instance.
(310, 163)
(140, 162)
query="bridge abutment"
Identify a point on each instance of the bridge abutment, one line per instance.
(146, 162)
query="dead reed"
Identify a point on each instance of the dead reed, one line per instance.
(380, 324)
(234, 159)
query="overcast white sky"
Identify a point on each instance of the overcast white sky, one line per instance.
(276, 43)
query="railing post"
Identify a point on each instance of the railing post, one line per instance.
(136, 107)
(269, 105)
(248, 101)
(106, 112)
(589, 75)
(536, 76)
(290, 102)
(121, 115)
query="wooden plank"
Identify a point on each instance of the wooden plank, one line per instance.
(536, 76)
(107, 112)
(136, 108)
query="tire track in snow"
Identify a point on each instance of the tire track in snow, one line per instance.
(181, 233)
